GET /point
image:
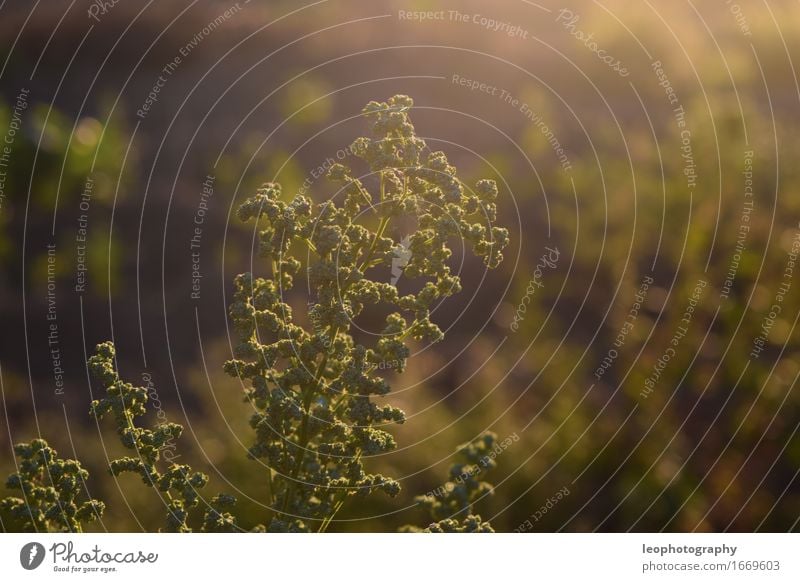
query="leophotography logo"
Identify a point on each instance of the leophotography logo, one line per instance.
(31, 555)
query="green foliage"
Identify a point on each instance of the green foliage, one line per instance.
(217, 519)
(125, 402)
(458, 496)
(66, 153)
(51, 490)
(314, 386)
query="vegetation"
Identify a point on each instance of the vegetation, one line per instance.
(574, 355)
(313, 387)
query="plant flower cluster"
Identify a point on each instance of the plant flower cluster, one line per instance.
(313, 387)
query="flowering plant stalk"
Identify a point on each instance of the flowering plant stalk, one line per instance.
(51, 491)
(451, 506)
(312, 384)
(314, 388)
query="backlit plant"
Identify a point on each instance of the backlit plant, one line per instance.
(451, 506)
(312, 383)
(51, 490)
(125, 402)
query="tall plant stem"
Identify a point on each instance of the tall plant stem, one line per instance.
(303, 436)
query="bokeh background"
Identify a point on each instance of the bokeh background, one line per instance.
(273, 89)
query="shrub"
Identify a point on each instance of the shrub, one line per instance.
(451, 506)
(51, 489)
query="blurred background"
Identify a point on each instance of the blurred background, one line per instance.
(651, 372)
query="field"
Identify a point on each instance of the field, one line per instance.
(634, 354)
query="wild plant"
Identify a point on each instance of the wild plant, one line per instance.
(314, 384)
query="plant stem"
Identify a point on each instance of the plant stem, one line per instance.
(269, 486)
(303, 437)
(339, 504)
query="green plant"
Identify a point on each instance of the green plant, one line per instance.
(451, 506)
(51, 490)
(313, 385)
(125, 402)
